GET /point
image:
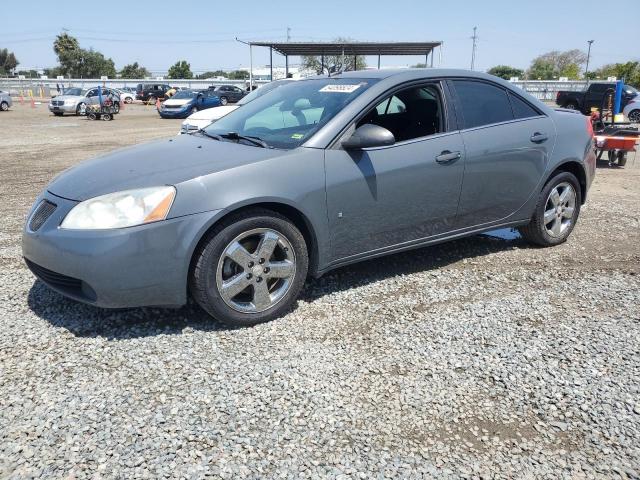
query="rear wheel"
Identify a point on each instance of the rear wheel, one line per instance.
(194, 109)
(4, 106)
(622, 159)
(571, 106)
(224, 100)
(81, 108)
(128, 100)
(249, 269)
(556, 212)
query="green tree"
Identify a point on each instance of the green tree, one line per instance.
(557, 64)
(334, 61)
(8, 61)
(629, 71)
(78, 62)
(238, 75)
(181, 69)
(216, 73)
(419, 65)
(134, 70)
(505, 72)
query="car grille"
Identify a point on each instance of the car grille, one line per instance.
(40, 215)
(174, 106)
(57, 103)
(54, 279)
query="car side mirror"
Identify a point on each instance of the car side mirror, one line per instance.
(368, 136)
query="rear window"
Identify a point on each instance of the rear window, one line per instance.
(522, 109)
(482, 103)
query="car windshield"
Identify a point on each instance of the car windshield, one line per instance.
(258, 92)
(73, 91)
(287, 116)
(185, 94)
(631, 90)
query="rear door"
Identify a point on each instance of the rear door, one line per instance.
(594, 96)
(507, 142)
(388, 196)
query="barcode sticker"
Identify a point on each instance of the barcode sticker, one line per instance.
(339, 88)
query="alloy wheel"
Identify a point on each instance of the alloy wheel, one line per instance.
(634, 116)
(4, 106)
(559, 209)
(256, 270)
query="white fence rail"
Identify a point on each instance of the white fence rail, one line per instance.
(47, 87)
(542, 90)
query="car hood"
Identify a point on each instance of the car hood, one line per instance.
(212, 113)
(68, 97)
(173, 102)
(163, 162)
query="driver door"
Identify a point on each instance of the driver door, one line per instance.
(388, 196)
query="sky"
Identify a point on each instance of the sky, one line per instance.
(158, 33)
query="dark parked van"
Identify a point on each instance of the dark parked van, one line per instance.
(151, 91)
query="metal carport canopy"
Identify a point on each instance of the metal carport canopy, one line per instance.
(350, 48)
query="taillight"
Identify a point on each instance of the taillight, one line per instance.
(557, 95)
(589, 126)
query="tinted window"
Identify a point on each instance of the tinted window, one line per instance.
(522, 109)
(599, 87)
(482, 104)
(411, 113)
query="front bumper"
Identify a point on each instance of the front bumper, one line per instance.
(62, 108)
(174, 112)
(146, 265)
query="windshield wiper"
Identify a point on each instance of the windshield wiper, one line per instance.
(249, 138)
(210, 135)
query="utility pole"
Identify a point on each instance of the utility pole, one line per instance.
(473, 49)
(286, 57)
(586, 69)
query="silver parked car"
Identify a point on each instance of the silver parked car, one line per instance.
(314, 175)
(5, 101)
(75, 100)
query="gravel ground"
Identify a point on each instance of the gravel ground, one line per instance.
(481, 358)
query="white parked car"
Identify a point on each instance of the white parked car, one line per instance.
(632, 110)
(126, 97)
(201, 119)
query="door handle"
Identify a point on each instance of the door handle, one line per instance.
(539, 137)
(447, 157)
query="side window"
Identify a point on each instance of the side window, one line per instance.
(482, 104)
(598, 87)
(410, 113)
(522, 109)
(92, 93)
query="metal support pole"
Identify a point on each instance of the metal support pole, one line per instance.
(440, 56)
(426, 60)
(432, 53)
(322, 64)
(378, 61)
(355, 63)
(250, 68)
(286, 66)
(271, 63)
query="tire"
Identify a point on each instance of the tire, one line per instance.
(91, 116)
(224, 100)
(242, 235)
(549, 233)
(107, 116)
(4, 106)
(622, 159)
(58, 114)
(151, 99)
(116, 107)
(571, 106)
(128, 100)
(194, 109)
(80, 109)
(634, 116)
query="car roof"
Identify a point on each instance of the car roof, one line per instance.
(410, 73)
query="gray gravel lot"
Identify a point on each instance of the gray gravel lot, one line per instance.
(481, 358)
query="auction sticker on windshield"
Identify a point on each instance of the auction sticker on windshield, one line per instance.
(338, 88)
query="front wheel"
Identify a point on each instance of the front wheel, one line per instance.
(571, 106)
(556, 212)
(81, 109)
(4, 106)
(634, 116)
(224, 100)
(194, 109)
(128, 100)
(249, 269)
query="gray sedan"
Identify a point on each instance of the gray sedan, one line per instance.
(313, 175)
(75, 100)
(5, 101)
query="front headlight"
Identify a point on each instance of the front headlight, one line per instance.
(121, 209)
